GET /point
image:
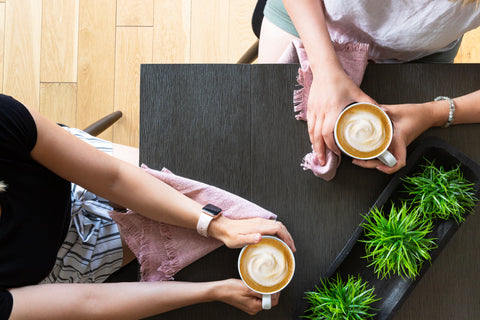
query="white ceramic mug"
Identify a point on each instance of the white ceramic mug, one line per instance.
(272, 257)
(364, 131)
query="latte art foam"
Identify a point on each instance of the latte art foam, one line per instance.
(267, 266)
(364, 131)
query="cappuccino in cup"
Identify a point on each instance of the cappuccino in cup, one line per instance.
(266, 267)
(364, 131)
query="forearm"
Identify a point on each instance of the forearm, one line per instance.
(110, 178)
(108, 300)
(309, 20)
(467, 110)
(135, 189)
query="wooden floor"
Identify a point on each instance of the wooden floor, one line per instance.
(78, 60)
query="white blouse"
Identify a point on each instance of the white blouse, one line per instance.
(401, 30)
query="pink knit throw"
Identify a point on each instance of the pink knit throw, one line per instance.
(163, 249)
(354, 59)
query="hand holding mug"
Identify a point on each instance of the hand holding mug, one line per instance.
(266, 267)
(328, 93)
(409, 121)
(364, 131)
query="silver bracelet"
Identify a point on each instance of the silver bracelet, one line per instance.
(451, 113)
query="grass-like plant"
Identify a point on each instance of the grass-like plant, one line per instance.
(397, 243)
(339, 300)
(441, 194)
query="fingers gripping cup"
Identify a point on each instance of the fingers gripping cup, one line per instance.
(266, 267)
(364, 131)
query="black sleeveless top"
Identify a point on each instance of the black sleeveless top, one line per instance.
(35, 207)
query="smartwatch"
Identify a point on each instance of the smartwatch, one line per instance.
(209, 212)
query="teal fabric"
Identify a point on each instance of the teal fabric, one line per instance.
(276, 13)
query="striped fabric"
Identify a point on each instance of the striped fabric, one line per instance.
(92, 249)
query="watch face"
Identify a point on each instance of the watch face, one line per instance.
(213, 210)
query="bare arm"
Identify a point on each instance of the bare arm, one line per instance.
(131, 187)
(116, 180)
(331, 89)
(467, 109)
(309, 20)
(130, 300)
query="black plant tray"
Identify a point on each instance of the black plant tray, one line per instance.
(394, 291)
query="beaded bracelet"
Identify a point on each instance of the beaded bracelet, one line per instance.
(451, 113)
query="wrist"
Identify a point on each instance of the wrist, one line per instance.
(208, 213)
(437, 112)
(330, 69)
(221, 290)
(214, 291)
(451, 110)
(217, 229)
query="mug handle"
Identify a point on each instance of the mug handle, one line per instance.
(387, 158)
(266, 301)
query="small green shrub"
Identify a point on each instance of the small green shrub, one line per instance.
(440, 194)
(397, 243)
(339, 300)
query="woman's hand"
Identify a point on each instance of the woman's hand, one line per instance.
(409, 121)
(329, 94)
(238, 233)
(237, 294)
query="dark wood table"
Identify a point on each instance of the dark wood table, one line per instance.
(233, 126)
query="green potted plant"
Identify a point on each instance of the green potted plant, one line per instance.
(339, 300)
(440, 194)
(397, 243)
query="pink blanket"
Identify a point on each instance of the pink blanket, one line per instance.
(354, 59)
(162, 249)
